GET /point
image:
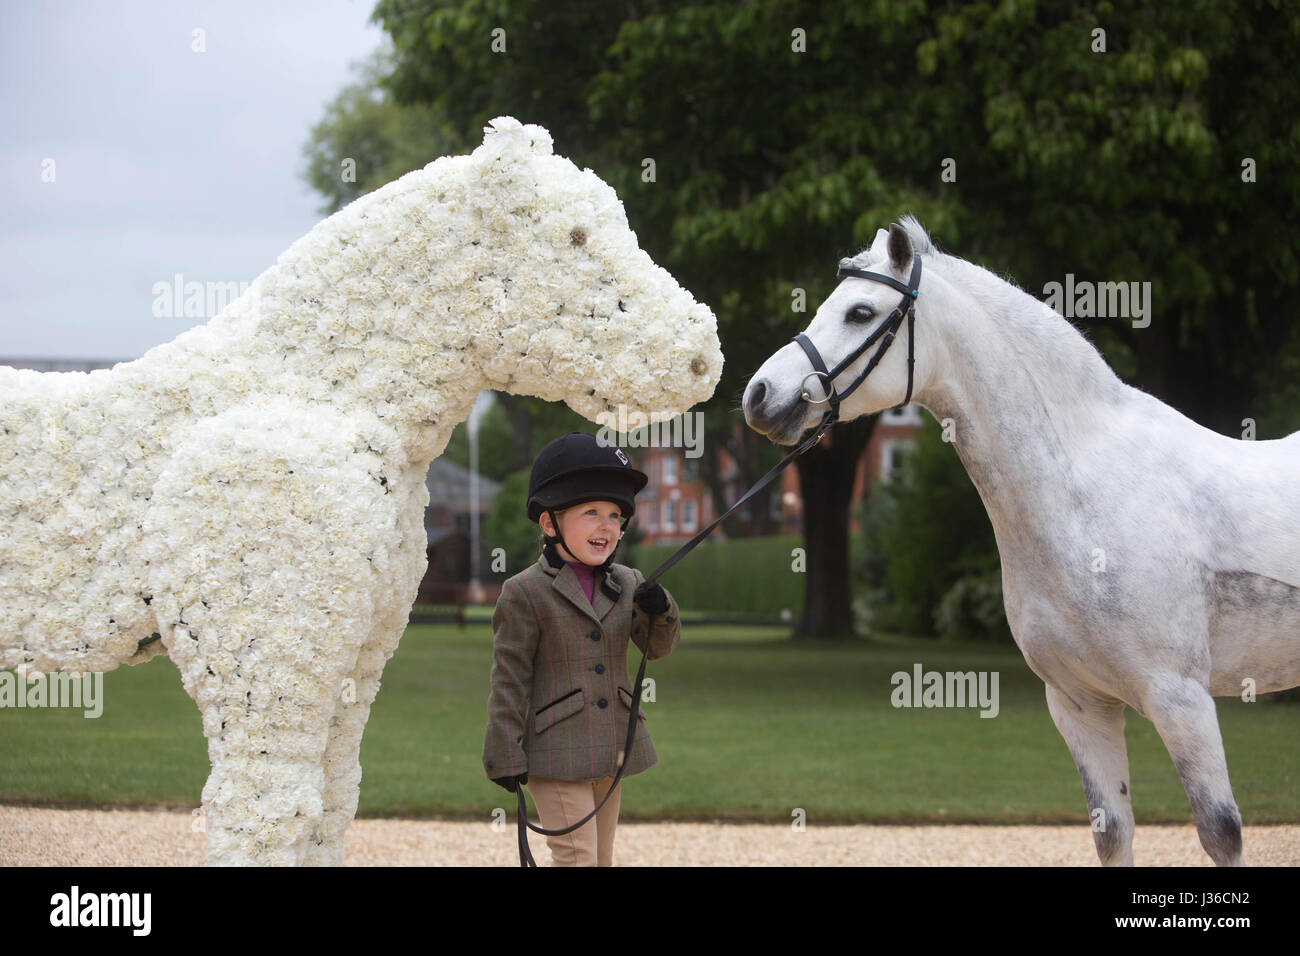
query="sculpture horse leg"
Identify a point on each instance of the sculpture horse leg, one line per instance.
(264, 796)
(399, 574)
(267, 553)
(1093, 728)
(342, 764)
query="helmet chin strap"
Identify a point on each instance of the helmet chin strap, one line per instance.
(555, 522)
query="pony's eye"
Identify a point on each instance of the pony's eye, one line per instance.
(860, 313)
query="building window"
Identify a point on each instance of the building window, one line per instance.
(907, 415)
(892, 452)
(691, 470)
(670, 469)
(670, 515)
(688, 515)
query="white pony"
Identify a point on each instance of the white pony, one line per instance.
(1146, 561)
(249, 497)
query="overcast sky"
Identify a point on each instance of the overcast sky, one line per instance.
(166, 160)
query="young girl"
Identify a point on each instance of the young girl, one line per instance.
(560, 696)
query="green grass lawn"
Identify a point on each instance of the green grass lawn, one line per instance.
(748, 725)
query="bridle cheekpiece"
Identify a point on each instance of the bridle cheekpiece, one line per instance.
(885, 332)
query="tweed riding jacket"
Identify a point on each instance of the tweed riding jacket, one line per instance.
(560, 695)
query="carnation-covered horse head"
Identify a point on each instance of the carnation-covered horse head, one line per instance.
(249, 497)
(1146, 561)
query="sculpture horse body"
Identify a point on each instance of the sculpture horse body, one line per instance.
(1146, 561)
(249, 498)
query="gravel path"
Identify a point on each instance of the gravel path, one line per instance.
(39, 837)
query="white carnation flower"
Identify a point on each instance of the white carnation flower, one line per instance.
(224, 490)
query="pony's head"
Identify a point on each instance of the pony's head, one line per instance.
(583, 314)
(774, 402)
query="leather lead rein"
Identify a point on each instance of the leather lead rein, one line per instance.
(885, 332)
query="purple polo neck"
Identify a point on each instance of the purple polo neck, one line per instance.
(586, 577)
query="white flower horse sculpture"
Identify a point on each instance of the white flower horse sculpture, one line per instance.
(249, 497)
(1197, 592)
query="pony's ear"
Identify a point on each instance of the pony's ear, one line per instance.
(900, 248)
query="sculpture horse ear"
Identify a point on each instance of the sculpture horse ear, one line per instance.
(878, 243)
(508, 140)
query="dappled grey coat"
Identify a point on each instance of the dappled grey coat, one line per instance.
(560, 695)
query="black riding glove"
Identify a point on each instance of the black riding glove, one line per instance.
(650, 597)
(511, 783)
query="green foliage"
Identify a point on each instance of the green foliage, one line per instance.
(496, 440)
(506, 445)
(973, 609)
(1115, 164)
(507, 526)
(739, 576)
(924, 532)
(379, 138)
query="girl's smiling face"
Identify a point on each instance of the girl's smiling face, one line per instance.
(591, 529)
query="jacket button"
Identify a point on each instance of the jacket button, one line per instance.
(602, 703)
(600, 668)
(595, 635)
(670, 619)
(489, 764)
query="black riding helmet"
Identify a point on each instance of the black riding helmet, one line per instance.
(577, 467)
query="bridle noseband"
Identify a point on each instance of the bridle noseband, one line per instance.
(887, 329)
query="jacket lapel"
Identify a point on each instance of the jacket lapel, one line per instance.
(566, 583)
(607, 592)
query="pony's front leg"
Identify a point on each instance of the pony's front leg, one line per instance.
(1183, 713)
(1093, 728)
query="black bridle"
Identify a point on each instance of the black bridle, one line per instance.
(886, 332)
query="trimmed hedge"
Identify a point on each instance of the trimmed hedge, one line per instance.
(744, 576)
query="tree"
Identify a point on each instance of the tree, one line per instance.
(926, 531)
(366, 140)
(512, 432)
(755, 144)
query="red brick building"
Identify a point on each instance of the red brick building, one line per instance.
(676, 503)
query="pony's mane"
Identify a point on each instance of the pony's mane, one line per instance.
(1009, 303)
(1068, 371)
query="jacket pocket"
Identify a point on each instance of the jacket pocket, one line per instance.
(625, 697)
(564, 706)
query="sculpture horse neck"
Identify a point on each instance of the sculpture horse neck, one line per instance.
(364, 312)
(1019, 391)
(355, 317)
